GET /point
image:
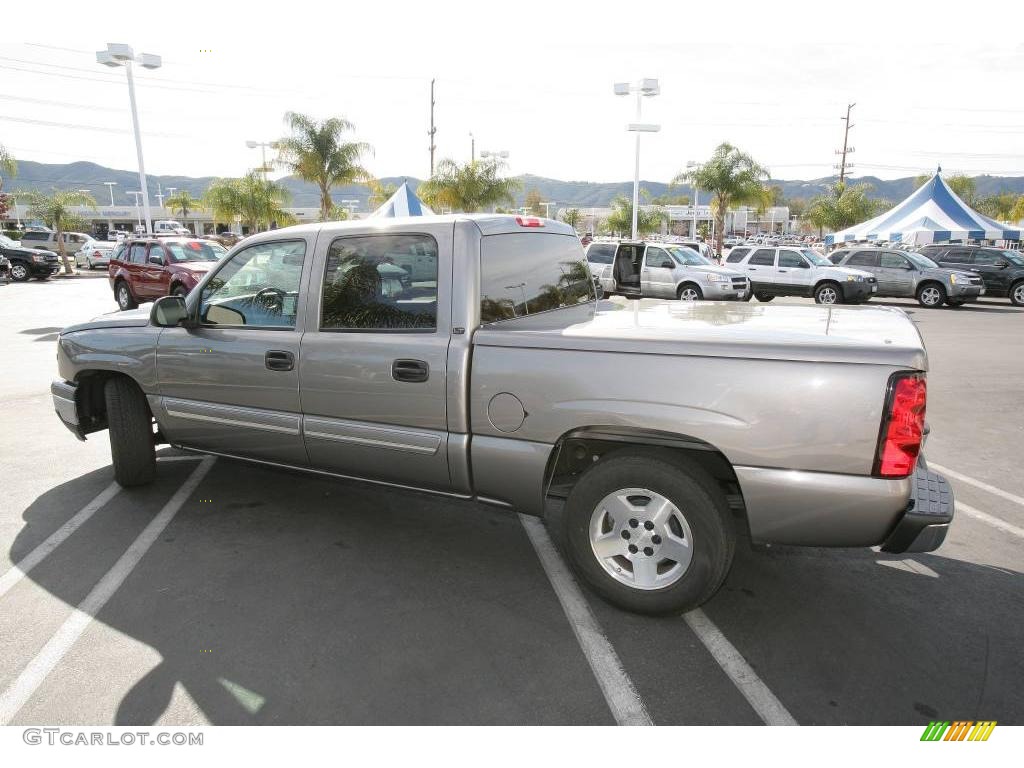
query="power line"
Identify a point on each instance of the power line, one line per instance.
(99, 128)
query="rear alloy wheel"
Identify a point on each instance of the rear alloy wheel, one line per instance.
(828, 293)
(763, 296)
(650, 531)
(19, 272)
(1017, 294)
(689, 292)
(931, 295)
(124, 297)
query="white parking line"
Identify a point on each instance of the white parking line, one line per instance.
(194, 457)
(623, 700)
(19, 692)
(18, 571)
(977, 483)
(768, 708)
(995, 522)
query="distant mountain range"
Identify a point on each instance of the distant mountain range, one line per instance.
(583, 194)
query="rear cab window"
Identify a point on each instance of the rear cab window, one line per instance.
(736, 255)
(531, 272)
(601, 253)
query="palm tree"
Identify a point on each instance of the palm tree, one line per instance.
(621, 218)
(572, 217)
(380, 193)
(468, 187)
(731, 176)
(843, 206)
(258, 201)
(316, 152)
(55, 211)
(184, 202)
(8, 165)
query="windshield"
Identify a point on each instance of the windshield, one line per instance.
(919, 261)
(190, 251)
(687, 257)
(815, 258)
(1015, 258)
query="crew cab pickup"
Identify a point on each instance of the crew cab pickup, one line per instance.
(468, 355)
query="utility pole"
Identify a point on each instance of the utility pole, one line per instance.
(433, 130)
(472, 147)
(847, 149)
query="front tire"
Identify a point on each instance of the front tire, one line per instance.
(931, 295)
(766, 297)
(123, 296)
(650, 531)
(1017, 294)
(828, 293)
(689, 292)
(130, 423)
(19, 273)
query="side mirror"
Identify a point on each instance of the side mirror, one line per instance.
(168, 312)
(1002, 263)
(156, 260)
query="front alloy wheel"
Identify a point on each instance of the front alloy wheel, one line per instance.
(931, 296)
(827, 294)
(1017, 294)
(124, 297)
(19, 272)
(690, 293)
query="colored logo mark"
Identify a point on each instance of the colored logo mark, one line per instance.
(959, 730)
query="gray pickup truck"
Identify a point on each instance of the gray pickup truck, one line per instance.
(469, 356)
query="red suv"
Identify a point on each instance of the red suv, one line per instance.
(144, 269)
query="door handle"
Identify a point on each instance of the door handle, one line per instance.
(783, 270)
(279, 360)
(413, 371)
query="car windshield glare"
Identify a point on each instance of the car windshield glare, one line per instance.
(1014, 258)
(190, 251)
(815, 258)
(920, 261)
(687, 256)
(6, 242)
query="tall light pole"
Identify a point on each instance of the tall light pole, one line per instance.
(472, 147)
(263, 152)
(121, 55)
(136, 194)
(547, 208)
(696, 199)
(646, 87)
(110, 185)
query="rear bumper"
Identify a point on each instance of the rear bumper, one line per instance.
(820, 509)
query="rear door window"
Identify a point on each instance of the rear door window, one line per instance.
(958, 255)
(763, 257)
(987, 258)
(736, 255)
(863, 259)
(603, 253)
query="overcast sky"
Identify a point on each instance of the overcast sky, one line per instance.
(933, 82)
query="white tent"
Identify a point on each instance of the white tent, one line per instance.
(932, 213)
(403, 203)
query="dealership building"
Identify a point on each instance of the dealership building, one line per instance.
(687, 220)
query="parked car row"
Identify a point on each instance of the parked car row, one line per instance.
(795, 271)
(26, 263)
(1001, 271)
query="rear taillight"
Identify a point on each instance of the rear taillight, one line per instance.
(899, 441)
(529, 221)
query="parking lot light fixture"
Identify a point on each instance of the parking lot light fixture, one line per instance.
(263, 152)
(110, 185)
(648, 86)
(122, 55)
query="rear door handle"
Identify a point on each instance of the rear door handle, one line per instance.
(279, 360)
(414, 371)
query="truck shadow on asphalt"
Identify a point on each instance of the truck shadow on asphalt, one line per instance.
(279, 598)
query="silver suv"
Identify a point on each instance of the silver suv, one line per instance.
(662, 271)
(795, 271)
(902, 274)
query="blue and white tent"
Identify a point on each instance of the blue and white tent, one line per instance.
(403, 203)
(932, 214)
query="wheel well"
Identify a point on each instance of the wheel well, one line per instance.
(686, 283)
(926, 283)
(90, 399)
(826, 281)
(575, 451)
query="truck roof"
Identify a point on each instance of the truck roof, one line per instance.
(487, 223)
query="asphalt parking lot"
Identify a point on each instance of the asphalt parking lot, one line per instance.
(272, 597)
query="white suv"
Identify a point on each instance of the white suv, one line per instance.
(795, 271)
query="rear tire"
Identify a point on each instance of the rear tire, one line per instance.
(123, 296)
(132, 447)
(697, 515)
(931, 295)
(763, 297)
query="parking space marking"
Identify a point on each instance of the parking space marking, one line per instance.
(19, 570)
(196, 457)
(21, 690)
(623, 700)
(743, 676)
(977, 483)
(995, 522)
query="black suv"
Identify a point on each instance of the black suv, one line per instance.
(1002, 271)
(28, 262)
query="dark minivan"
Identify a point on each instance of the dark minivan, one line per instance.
(1001, 270)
